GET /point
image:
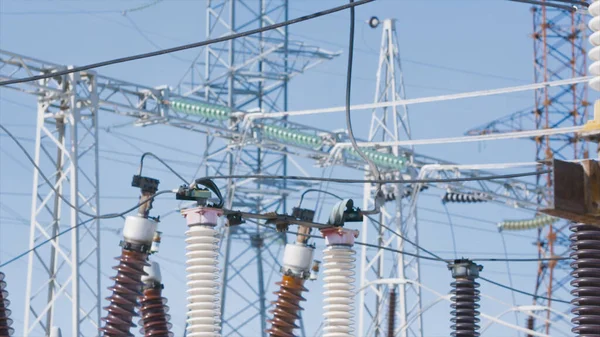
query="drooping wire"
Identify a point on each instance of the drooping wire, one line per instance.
(187, 46)
(378, 181)
(51, 186)
(407, 240)
(374, 169)
(510, 278)
(451, 230)
(142, 7)
(524, 292)
(316, 190)
(213, 187)
(150, 154)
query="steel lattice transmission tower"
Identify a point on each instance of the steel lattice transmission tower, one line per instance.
(559, 46)
(390, 124)
(249, 74)
(66, 151)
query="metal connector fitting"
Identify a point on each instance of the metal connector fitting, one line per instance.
(465, 268)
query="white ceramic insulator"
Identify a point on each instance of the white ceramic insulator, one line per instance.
(139, 230)
(338, 270)
(153, 273)
(297, 258)
(203, 281)
(594, 53)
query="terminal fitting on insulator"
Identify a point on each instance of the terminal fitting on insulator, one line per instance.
(148, 187)
(139, 233)
(297, 258)
(339, 236)
(202, 269)
(344, 211)
(314, 271)
(155, 242)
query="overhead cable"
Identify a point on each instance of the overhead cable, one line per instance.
(150, 154)
(435, 257)
(317, 190)
(524, 292)
(377, 181)
(187, 46)
(51, 186)
(373, 167)
(468, 139)
(430, 99)
(572, 8)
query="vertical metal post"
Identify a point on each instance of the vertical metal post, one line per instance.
(60, 130)
(74, 78)
(66, 138)
(389, 124)
(257, 242)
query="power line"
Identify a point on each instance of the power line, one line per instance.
(523, 292)
(550, 4)
(51, 186)
(435, 256)
(187, 46)
(65, 232)
(407, 240)
(374, 169)
(150, 154)
(378, 181)
(429, 99)
(317, 190)
(365, 244)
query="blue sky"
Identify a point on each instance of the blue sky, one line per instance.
(446, 46)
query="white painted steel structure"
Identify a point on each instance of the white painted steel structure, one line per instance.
(66, 152)
(389, 124)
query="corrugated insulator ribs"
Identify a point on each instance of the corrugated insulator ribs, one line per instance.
(287, 307)
(585, 246)
(5, 321)
(392, 313)
(521, 225)
(465, 296)
(463, 198)
(153, 310)
(125, 292)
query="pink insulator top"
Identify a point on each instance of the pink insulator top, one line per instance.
(339, 236)
(202, 215)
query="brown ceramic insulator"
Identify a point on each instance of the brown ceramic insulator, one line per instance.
(5, 321)
(125, 292)
(153, 309)
(287, 307)
(392, 313)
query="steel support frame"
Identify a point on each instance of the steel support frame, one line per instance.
(559, 52)
(66, 152)
(389, 124)
(146, 106)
